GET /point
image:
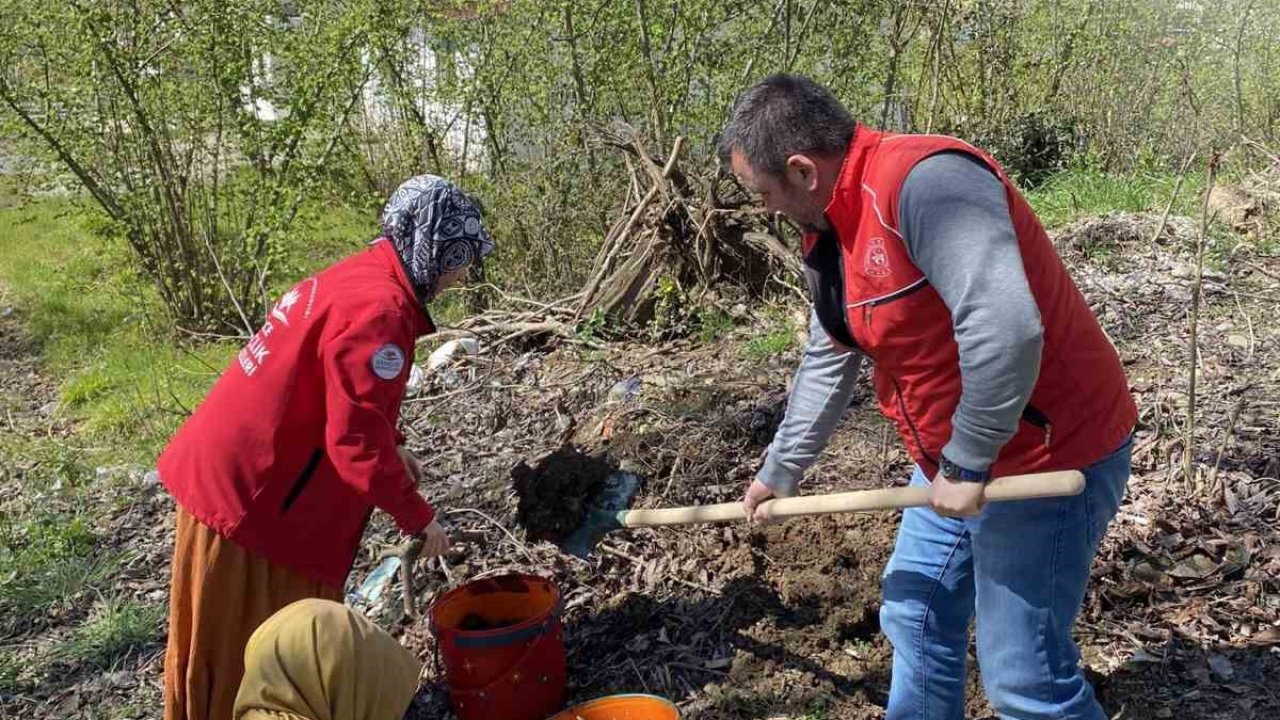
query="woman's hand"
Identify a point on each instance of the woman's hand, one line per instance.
(435, 540)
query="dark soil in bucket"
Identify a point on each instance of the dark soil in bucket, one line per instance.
(473, 622)
(554, 493)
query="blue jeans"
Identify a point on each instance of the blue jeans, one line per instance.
(1022, 567)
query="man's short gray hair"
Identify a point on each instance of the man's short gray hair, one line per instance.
(785, 115)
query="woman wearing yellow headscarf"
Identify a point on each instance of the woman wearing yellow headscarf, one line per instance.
(320, 660)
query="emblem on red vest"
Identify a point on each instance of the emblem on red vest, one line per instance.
(877, 264)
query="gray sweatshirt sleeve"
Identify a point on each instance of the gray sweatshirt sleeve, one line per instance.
(820, 394)
(955, 219)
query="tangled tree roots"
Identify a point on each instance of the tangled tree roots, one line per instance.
(699, 231)
(696, 231)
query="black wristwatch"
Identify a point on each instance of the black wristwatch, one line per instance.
(955, 472)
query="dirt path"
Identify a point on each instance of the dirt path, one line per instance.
(27, 400)
(76, 655)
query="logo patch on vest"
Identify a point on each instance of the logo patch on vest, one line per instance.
(877, 263)
(388, 361)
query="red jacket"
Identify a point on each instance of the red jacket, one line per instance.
(1080, 409)
(296, 443)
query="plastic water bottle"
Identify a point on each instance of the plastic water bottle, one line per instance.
(370, 592)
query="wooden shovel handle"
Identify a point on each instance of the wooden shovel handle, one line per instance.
(1011, 487)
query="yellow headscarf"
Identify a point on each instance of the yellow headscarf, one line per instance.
(319, 660)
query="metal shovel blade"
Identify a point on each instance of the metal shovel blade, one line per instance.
(604, 512)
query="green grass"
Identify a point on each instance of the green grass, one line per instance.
(125, 381)
(11, 668)
(767, 346)
(712, 324)
(125, 376)
(100, 329)
(115, 629)
(451, 306)
(323, 233)
(1074, 194)
(779, 336)
(52, 562)
(47, 559)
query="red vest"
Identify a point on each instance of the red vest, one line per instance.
(296, 443)
(1080, 410)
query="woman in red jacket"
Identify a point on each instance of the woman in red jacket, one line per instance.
(277, 472)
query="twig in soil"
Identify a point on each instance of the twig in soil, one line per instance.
(408, 554)
(765, 556)
(1248, 321)
(551, 306)
(1222, 445)
(1164, 217)
(1260, 296)
(1260, 148)
(1144, 447)
(696, 668)
(639, 676)
(443, 396)
(523, 548)
(444, 568)
(675, 468)
(1138, 519)
(1264, 271)
(1188, 445)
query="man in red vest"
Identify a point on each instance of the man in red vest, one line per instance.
(922, 255)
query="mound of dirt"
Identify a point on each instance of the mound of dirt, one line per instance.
(555, 492)
(821, 602)
(1253, 205)
(1117, 230)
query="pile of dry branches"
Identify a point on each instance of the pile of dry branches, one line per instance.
(696, 230)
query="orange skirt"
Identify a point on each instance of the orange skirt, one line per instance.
(220, 594)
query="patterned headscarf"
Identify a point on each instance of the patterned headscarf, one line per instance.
(436, 229)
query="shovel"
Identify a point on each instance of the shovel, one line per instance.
(609, 511)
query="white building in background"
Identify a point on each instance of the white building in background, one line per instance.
(263, 71)
(264, 77)
(461, 134)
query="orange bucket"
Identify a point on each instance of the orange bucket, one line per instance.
(622, 707)
(502, 647)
